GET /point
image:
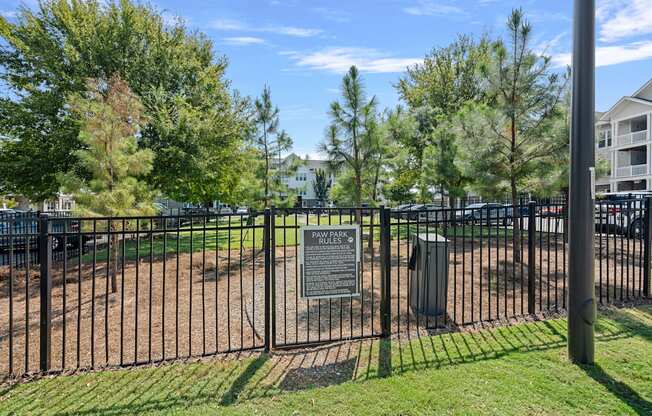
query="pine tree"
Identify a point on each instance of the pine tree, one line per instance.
(271, 143)
(352, 139)
(504, 141)
(321, 185)
(111, 119)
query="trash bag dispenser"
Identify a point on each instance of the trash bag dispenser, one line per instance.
(428, 266)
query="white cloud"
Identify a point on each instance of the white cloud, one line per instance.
(292, 31)
(619, 19)
(243, 41)
(547, 46)
(433, 8)
(235, 25)
(228, 24)
(612, 55)
(339, 60)
(9, 14)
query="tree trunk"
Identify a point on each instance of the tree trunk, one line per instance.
(452, 202)
(516, 224)
(267, 156)
(115, 248)
(358, 196)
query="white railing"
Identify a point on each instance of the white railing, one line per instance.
(631, 138)
(633, 170)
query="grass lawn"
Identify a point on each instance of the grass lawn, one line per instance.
(287, 231)
(517, 370)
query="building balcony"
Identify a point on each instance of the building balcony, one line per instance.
(632, 170)
(632, 138)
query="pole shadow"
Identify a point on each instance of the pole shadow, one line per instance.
(619, 389)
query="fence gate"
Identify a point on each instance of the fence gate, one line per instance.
(297, 321)
(81, 293)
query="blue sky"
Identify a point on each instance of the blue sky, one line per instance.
(301, 48)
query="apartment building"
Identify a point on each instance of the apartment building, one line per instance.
(301, 180)
(623, 139)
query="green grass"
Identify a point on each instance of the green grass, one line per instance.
(517, 370)
(224, 239)
(216, 239)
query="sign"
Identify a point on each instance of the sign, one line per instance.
(329, 261)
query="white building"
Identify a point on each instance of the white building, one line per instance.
(302, 179)
(623, 139)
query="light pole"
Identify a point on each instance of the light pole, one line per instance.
(581, 292)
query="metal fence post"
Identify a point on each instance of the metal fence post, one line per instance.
(272, 275)
(268, 275)
(531, 257)
(647, 246)
(385, 273)
(45, 258)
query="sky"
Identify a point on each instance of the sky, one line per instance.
(302, 48)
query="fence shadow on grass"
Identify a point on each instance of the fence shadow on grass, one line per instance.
(224, 382)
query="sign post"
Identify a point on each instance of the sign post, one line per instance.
(329, 261)
(581, 291)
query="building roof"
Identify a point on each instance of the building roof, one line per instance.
(311, 163)
(640, 91)
(643, 95)
(605, 116)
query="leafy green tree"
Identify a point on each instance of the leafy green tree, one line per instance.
(111, 118)
(195, 125)
(553, 173)
(399, 128)
(441, 166)
(351, 141)
(504, 142)
(321, 185)
(270, 143)
(434, 91)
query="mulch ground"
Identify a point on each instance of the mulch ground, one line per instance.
(185, 305)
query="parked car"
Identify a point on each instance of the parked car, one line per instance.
(432, 212)
(552, 211)
(244, 211)
(621, 212)
(225, 210)
(6, 211)
(521, 211)
(485, 213)
(21, 229)
(413, 212)
(396, 212)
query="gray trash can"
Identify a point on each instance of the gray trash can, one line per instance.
(429, 274)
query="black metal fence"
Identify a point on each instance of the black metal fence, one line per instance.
(96, 292)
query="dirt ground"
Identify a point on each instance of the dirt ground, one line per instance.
(200, 304)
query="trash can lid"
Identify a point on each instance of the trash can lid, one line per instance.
(431, 238)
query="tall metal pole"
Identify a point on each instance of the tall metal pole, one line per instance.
(581, 292)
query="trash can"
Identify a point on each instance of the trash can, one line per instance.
(428, 266)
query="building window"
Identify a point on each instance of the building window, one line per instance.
(51, 206)
(604, 138)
